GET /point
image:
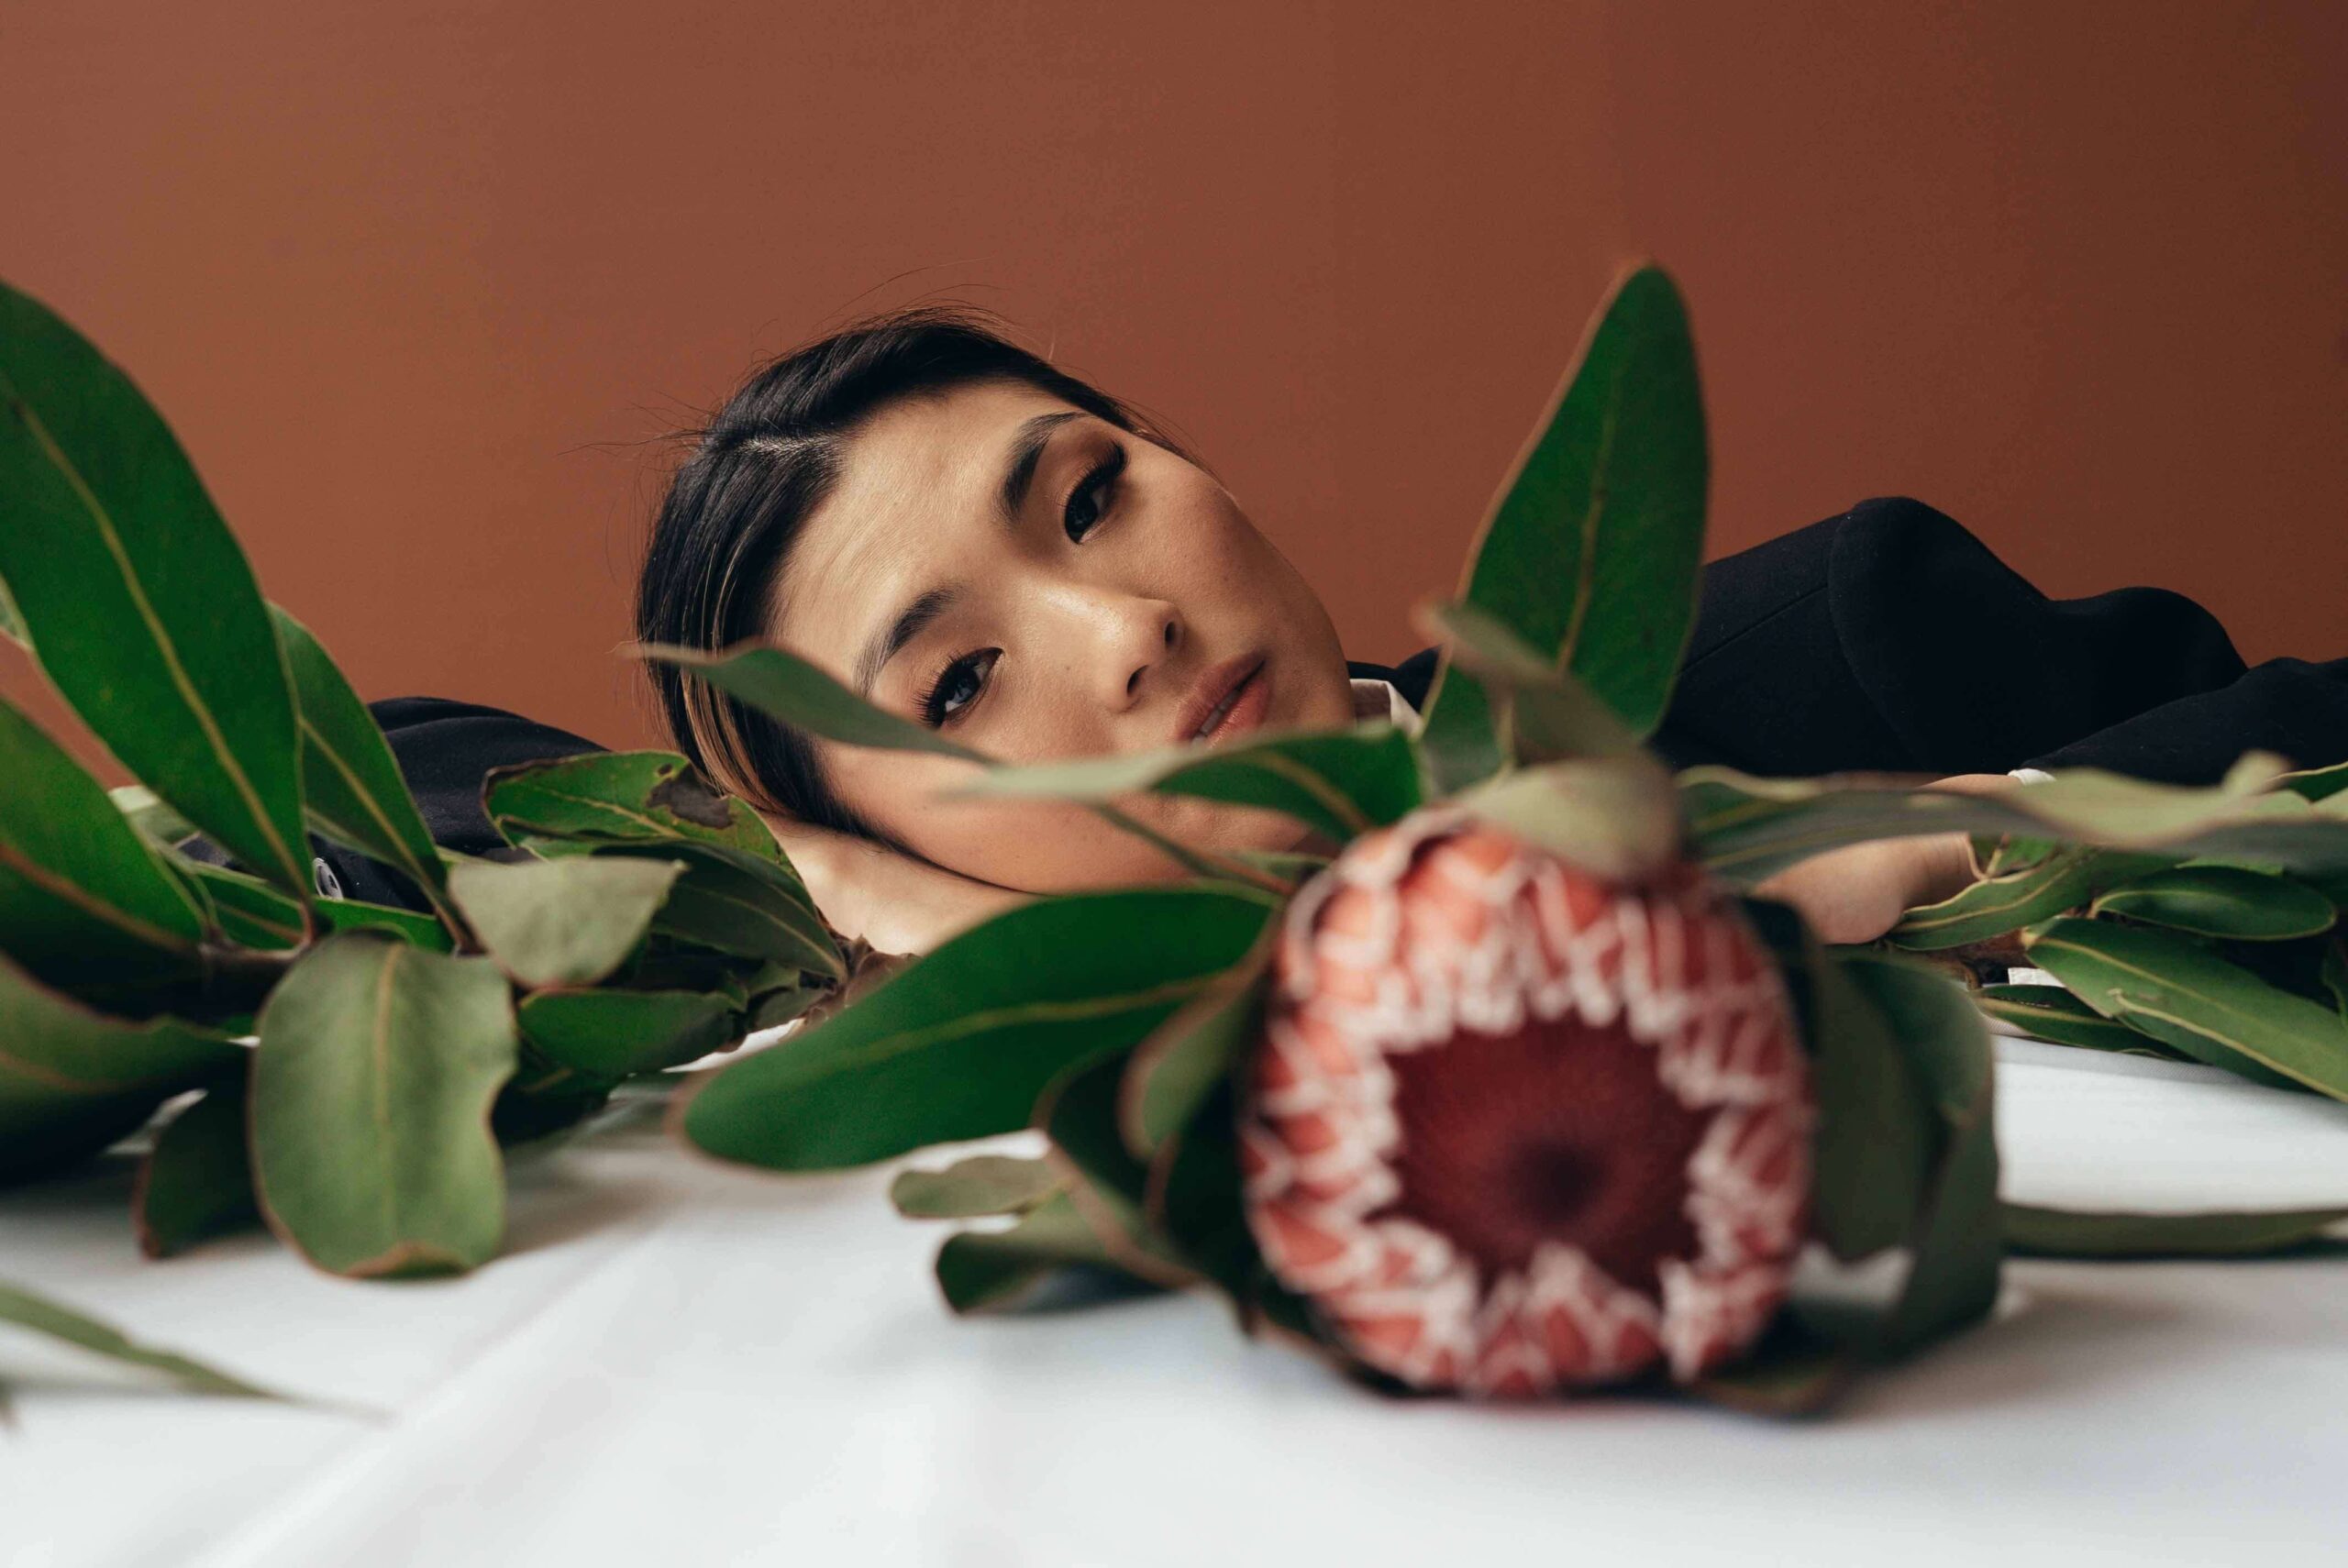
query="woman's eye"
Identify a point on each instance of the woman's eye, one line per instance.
(957, 686)
(1091, 497)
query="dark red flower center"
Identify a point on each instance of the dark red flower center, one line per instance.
(1558, 1132)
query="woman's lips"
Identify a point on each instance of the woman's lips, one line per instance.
(1230, 699)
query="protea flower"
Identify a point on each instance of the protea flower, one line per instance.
(1513, 1128)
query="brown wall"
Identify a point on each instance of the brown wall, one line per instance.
(414, 287)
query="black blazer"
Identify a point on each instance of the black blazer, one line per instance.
(1888, 638)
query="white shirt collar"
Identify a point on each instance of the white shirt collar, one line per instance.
(1379, 699)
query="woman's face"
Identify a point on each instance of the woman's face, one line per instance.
(1037, 583)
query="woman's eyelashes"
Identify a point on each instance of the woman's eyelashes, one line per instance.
(1089, 500)
(962, 682)
(957, 686)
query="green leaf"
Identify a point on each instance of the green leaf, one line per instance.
(784, 686)
(59, 1321)
(246, 909)
(1592, 551)
(1955, 1238)
(1613, 817)
(626, 797)
(2051, 1013)
(2061, 1234)
(1995, 905)
(1174, 1072)
(1078, 1112)
(739, 904)
(1338, 782)
(81, 895)
(975, 1187)
(961, 1043)
(72, 1080)
(151, 815)
(2317, 783)
(2181, 993)
(562, 923)
(1877, 1130)
(995, 1271)
(1748, 829)
(371, 1098)
(197, 1181)
(352, 783)
(2221, 900)
(1546, 715)
(356, 914)
(612, 1035)
(140, 606)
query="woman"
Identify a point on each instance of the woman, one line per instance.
(981, 541)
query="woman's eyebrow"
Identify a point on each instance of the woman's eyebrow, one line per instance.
(1021, 457)
(910, 624)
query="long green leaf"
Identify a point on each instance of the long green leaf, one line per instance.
(2221, 900)
(2051, 1013)
(2179, 992)
(780, 683)
(2062, 1233)
(72, 1080)
(140, 606)
(1590, 553)
(1748, 828)
(370, 1099)
(614, 1034)
(1996, 905)
(82, 894)
(626, 797)
(961, 1043)
(352, 785)
(1341, 782)
(197, 1181)
(57, 1322)
(562, 923)
(741, 904)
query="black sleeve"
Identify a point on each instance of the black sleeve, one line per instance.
(445, 750)
(1891, 638)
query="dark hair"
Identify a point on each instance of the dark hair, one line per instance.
(758, 469)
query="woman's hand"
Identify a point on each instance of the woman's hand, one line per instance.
(894, 902)
(1857, 893)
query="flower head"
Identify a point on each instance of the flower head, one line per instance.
(1513, 1128)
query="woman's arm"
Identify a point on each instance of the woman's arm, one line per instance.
(894, 902)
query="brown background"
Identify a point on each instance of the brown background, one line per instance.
(416, 286)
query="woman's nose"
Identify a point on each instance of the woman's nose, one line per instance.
(1141, 636)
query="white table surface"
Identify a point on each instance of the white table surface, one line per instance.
(679, 1362)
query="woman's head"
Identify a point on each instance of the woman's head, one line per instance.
(979, 541)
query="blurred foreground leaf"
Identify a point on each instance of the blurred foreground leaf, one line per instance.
(72, 1080)
(135, 599)
(54, 1319)
(961, 1043)
(81, 895)
(352, 785)
(2062, 1233)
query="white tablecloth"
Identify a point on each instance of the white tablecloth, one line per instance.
(679, 1362)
